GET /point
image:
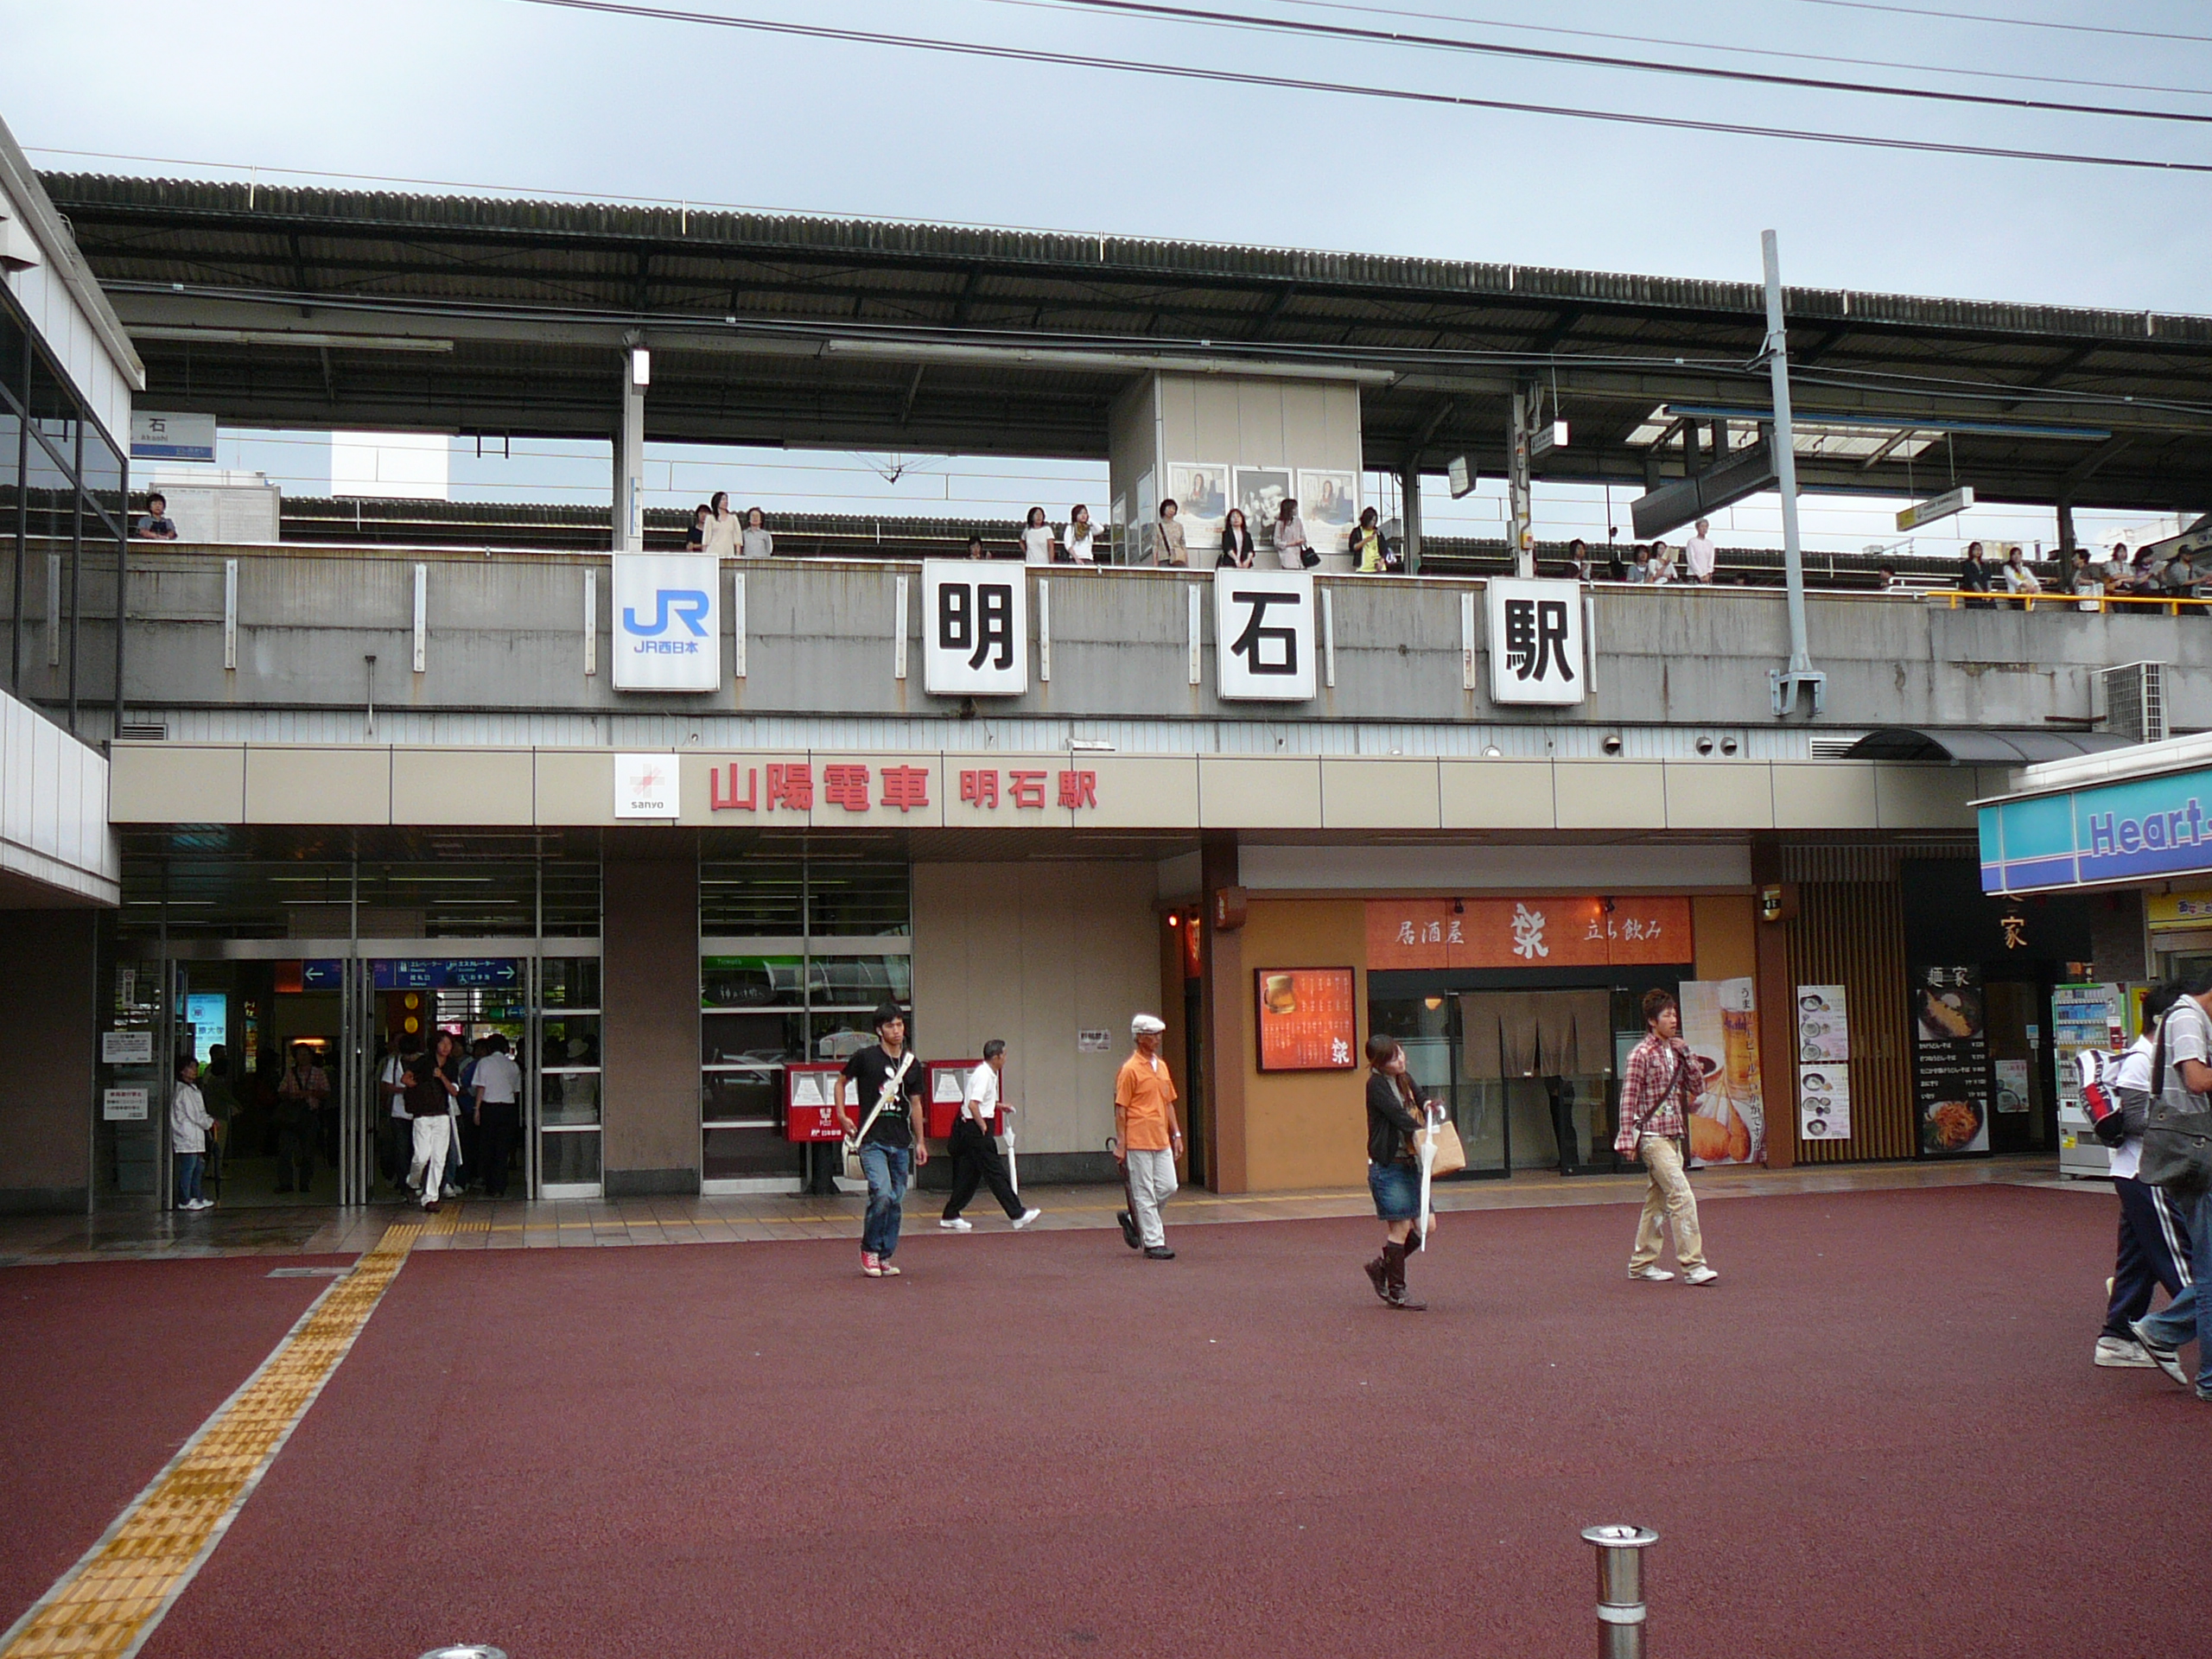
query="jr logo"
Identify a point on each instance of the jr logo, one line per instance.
(684, 605)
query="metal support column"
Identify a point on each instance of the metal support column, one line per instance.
(2066, 541)
(1801, 673)
(1520, 535)
(1409, 494)
(630, 450)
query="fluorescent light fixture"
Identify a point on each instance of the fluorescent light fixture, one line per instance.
(1461, 472)
(641, 367)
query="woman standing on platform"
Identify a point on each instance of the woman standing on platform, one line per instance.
(720, 539)
(755, 541)
(1393, 1174)
(1236, 542)
(189, 1127)
(1291, 546)
(1076, 537)
(1171, 548)
(1036, 538)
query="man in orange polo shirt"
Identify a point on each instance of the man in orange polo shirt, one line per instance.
(1147, 1135)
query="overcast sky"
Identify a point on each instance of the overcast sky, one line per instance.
(502, 94)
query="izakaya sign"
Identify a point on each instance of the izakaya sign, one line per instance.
(1535, 932)
(975, 629)
(1536, 653)
(667, 622)
(1263, 635)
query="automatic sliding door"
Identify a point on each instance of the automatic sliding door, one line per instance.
(566, 1072)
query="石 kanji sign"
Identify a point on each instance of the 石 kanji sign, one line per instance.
(1263, 634)
(1536, 642)
(1307, 1022)
(975, 629)
(667, 622)
(1541, 931)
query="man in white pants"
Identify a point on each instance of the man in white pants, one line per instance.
(428, 1105)
(1147, 1138)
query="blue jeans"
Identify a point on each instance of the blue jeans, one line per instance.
(189, 1167)
(887, 1169)
(2189, 1315)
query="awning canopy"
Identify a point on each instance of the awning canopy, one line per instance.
(1973, 747)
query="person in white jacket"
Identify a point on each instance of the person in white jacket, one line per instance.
(189, 1127)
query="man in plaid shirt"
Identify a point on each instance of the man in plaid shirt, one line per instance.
(1658, 1089)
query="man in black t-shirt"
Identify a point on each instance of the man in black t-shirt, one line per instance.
(889, 1076)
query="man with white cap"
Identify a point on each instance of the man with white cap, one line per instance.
(1147, 1135)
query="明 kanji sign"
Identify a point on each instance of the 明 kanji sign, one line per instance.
(1536, 642)
(974, 628)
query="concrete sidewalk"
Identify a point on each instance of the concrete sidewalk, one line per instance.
(764, 1217)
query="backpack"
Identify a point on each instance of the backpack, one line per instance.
(2105, 1100)
(2176, 1138)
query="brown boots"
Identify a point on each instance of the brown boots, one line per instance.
(1393, 1285)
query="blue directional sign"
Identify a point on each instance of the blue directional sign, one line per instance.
(459, 973)
(328, 974)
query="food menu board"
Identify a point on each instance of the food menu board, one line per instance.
(1950, 1061)
(1823, 1026)
(1307, 1022)
(1824, 1102)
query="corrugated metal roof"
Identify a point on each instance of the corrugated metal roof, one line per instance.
(1070, 254)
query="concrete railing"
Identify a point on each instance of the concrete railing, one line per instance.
(295, 627)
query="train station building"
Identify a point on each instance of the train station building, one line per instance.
(676, 825)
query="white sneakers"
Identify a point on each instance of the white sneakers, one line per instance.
(1700, 1275)
(197, 1204)
(2124, 1354)
(956, 1224)
(1025, 1218)
(1656, 1275)
(1651, 1275)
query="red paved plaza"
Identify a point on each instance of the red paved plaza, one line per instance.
(1880, 1433)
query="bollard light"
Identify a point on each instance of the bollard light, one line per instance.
(467, 1650)
(1620, 1587)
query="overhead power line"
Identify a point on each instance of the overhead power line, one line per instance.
(1240, 20)
(1404, 95)
(1735, 50)
(2010, 22)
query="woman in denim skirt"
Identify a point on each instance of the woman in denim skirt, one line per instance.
(1393, 1172)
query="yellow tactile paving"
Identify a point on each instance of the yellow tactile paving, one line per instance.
(109, 1603)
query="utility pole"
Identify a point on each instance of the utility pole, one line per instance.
(1801, 673)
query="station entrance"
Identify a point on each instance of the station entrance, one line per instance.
(294, 1040)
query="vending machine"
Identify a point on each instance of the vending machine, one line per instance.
(2085, 1017)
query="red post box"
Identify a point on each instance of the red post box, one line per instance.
(809, 1102)
(948, 1087)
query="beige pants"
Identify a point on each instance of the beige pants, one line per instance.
(1669, 1198)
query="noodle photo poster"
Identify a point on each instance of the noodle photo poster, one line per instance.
(1950, 1061)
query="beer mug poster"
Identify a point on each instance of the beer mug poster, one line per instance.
(974, 628)
(1720, 1023)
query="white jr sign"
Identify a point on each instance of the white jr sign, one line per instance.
(974, 628)
(1536, 643)
(1263, 634)
(667, 622)
(645, 786)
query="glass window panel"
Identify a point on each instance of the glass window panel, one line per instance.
(568, 982)
(761, 897)
(859, 982)
(857, 900)
(14, 347)
(755, 1096)
(570, 1040)
(53, 408)
(49, 502)
(752, 982)
(103, 482)
(569, 1160)
(838, 1036)
(571, 897)
(767, 1038)
(12, 494)
(730, 1154)
(570, 1097)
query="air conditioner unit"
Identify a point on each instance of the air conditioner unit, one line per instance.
(2135, 702)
